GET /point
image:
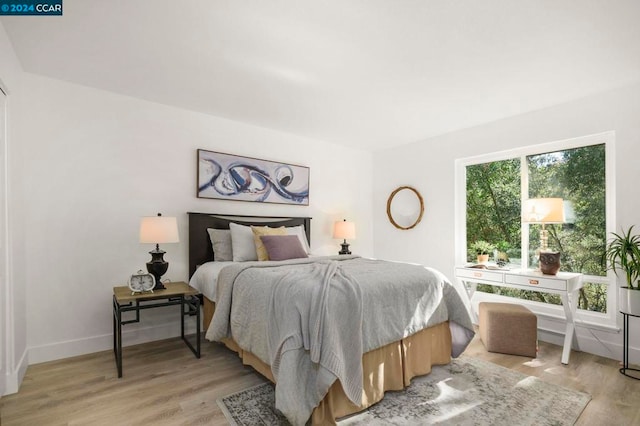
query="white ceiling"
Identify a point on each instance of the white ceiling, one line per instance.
(369, 74)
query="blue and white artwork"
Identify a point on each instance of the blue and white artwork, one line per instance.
(232, 177)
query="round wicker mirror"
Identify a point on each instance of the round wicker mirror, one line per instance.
(405, 207)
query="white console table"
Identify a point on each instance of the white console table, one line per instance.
(564, 284)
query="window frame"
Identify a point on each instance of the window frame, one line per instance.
(598, 320)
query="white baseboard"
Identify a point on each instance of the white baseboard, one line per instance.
(14, 379)
(70, 348)
(608, 346)
(589, 345)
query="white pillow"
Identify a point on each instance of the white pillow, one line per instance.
(299, 231)
(242, 243)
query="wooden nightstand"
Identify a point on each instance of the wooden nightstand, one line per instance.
(176, 293)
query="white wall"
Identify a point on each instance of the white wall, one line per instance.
(13, 331)
(430, 167)
(92, 163)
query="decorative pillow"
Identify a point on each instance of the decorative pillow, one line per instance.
(242, 243)
(259, 231)
(283, 247)
(221, 244)
(299, 231)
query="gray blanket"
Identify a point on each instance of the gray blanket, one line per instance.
(312, 320)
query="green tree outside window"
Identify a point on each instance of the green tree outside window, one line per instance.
(576, 175)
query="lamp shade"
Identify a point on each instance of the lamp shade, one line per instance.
(159, 229)
(344, 230)
(543, 210)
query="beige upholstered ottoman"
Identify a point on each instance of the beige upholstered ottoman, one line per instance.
(508, 328)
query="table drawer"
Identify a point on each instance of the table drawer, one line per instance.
(536, 282)
(479, 274)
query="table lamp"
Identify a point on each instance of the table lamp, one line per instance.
(545, 211)
(156, 230)
(343, 230)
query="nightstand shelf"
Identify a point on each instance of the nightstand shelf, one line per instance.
(176, 293)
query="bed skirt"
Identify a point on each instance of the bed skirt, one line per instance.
(390, 367)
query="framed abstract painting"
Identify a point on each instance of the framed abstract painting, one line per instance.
(233, 177)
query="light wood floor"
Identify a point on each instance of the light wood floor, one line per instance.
(164, 384)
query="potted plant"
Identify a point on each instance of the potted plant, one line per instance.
(482, 249)
(622, 253)
(500, 255)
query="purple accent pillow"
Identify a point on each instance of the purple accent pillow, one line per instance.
(283, 247)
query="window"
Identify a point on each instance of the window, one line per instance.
(494, 187)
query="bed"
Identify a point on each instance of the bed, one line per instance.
(314, 369)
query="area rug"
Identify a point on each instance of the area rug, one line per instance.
(466, 392)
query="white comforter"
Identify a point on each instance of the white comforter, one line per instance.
(205, 279)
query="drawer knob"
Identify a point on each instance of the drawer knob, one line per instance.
(477, 274)
(533, 282)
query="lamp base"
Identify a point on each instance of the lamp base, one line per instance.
(345, 248)
(157, 267)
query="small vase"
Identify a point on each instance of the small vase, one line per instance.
(549, 262)
(483, 259)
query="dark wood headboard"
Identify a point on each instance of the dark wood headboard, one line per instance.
(200, 250)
